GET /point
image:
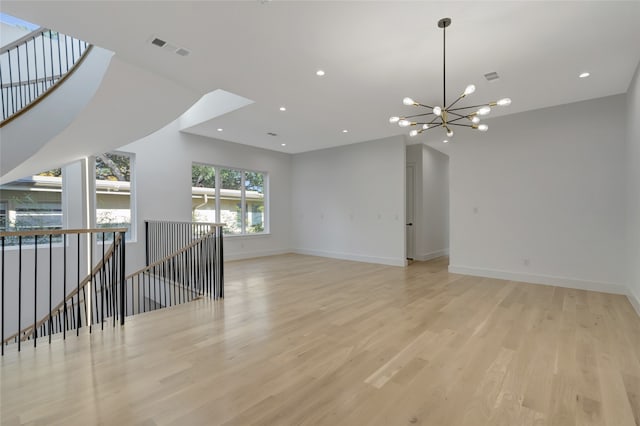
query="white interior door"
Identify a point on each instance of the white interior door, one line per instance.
(410, 238)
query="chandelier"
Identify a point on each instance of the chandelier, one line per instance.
(447, 116)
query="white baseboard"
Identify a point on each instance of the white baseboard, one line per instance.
(357, 258)
(542, 279)
(432, 255)
(253, 254)
(634, 299)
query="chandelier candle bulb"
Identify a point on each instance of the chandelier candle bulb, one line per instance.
(449, 114)
(484, 110)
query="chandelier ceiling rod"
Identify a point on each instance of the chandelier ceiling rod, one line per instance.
(442, 114)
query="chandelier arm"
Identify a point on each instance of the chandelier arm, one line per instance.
(456, 114)
(454, 102)
(428, 128)
(434, 120)
(462, 117)
(423, 105)
(472, 106)
(418, 115)
(461, 125)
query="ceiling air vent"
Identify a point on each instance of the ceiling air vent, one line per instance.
(491, 76)
(158, 42)
(272, 134)
(168, 46)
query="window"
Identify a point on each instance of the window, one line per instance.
(231, 196)
(113, 191)
(31, 203)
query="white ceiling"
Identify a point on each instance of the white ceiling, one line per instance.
(374, 54)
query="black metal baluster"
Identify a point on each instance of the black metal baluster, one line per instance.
(90, 283)
(50, 284)
(79, 321)
(66, 51)
(34, 331)
(19, 290)
(35, 66)
(122, 276)
(13, 98)
(59, 58)
(64, 285)
(114, 290)
(26, 54)
(2, 285)
(103, 287)
(4, 114)
(52, 71)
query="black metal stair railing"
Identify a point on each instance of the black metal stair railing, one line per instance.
(186, 263)
(44, 286)
(32, 65)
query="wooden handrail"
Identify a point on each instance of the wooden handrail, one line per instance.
(169, 256)
(60, 232)
(217, 225)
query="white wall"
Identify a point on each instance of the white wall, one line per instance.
(540, 197)
(349, 202)
(435, 204)
(163, 187)
(633, 189)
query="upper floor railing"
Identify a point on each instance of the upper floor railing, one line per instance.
(33, 65)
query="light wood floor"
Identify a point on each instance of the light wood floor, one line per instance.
(313, 341)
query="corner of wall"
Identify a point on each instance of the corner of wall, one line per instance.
(634, 299)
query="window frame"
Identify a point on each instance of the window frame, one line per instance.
(243, 207)
(131, 236)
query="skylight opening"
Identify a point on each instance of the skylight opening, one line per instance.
(17, 22)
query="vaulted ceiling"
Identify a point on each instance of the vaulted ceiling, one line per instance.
(373, 54)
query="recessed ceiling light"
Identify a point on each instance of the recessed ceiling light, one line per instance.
(320, 73)
(345, 131)
(584, 75)
(283, 144)
(219, 130)
(445, 141)
(283, 109)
